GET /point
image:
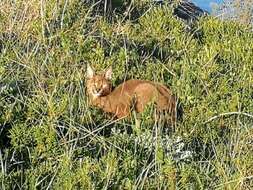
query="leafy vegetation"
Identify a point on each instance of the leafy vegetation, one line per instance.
(50, 138)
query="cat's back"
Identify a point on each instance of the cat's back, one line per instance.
(128, 86)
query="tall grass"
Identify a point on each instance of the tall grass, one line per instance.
(50, 138)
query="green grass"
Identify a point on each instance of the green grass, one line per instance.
(50, 138)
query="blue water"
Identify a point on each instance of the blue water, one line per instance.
(206, 4)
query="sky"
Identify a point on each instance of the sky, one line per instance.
(205, 4)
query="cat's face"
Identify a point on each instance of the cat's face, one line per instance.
(98, 85)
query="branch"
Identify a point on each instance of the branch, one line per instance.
(228, 114)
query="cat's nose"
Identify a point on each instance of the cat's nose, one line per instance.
(96, 90)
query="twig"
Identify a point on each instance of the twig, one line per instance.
(63, 12)
(228, 114)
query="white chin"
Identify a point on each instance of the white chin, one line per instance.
(96, 95)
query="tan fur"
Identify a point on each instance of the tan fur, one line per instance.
(120, 101)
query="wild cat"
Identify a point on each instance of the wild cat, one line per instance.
(130, 95)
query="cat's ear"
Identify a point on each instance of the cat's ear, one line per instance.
(90, 72)
(108, 73)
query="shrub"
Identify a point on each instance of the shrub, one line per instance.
(52, 139)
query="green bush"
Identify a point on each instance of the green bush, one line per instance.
(50, 137)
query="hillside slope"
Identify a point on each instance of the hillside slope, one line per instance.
(50, 138)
